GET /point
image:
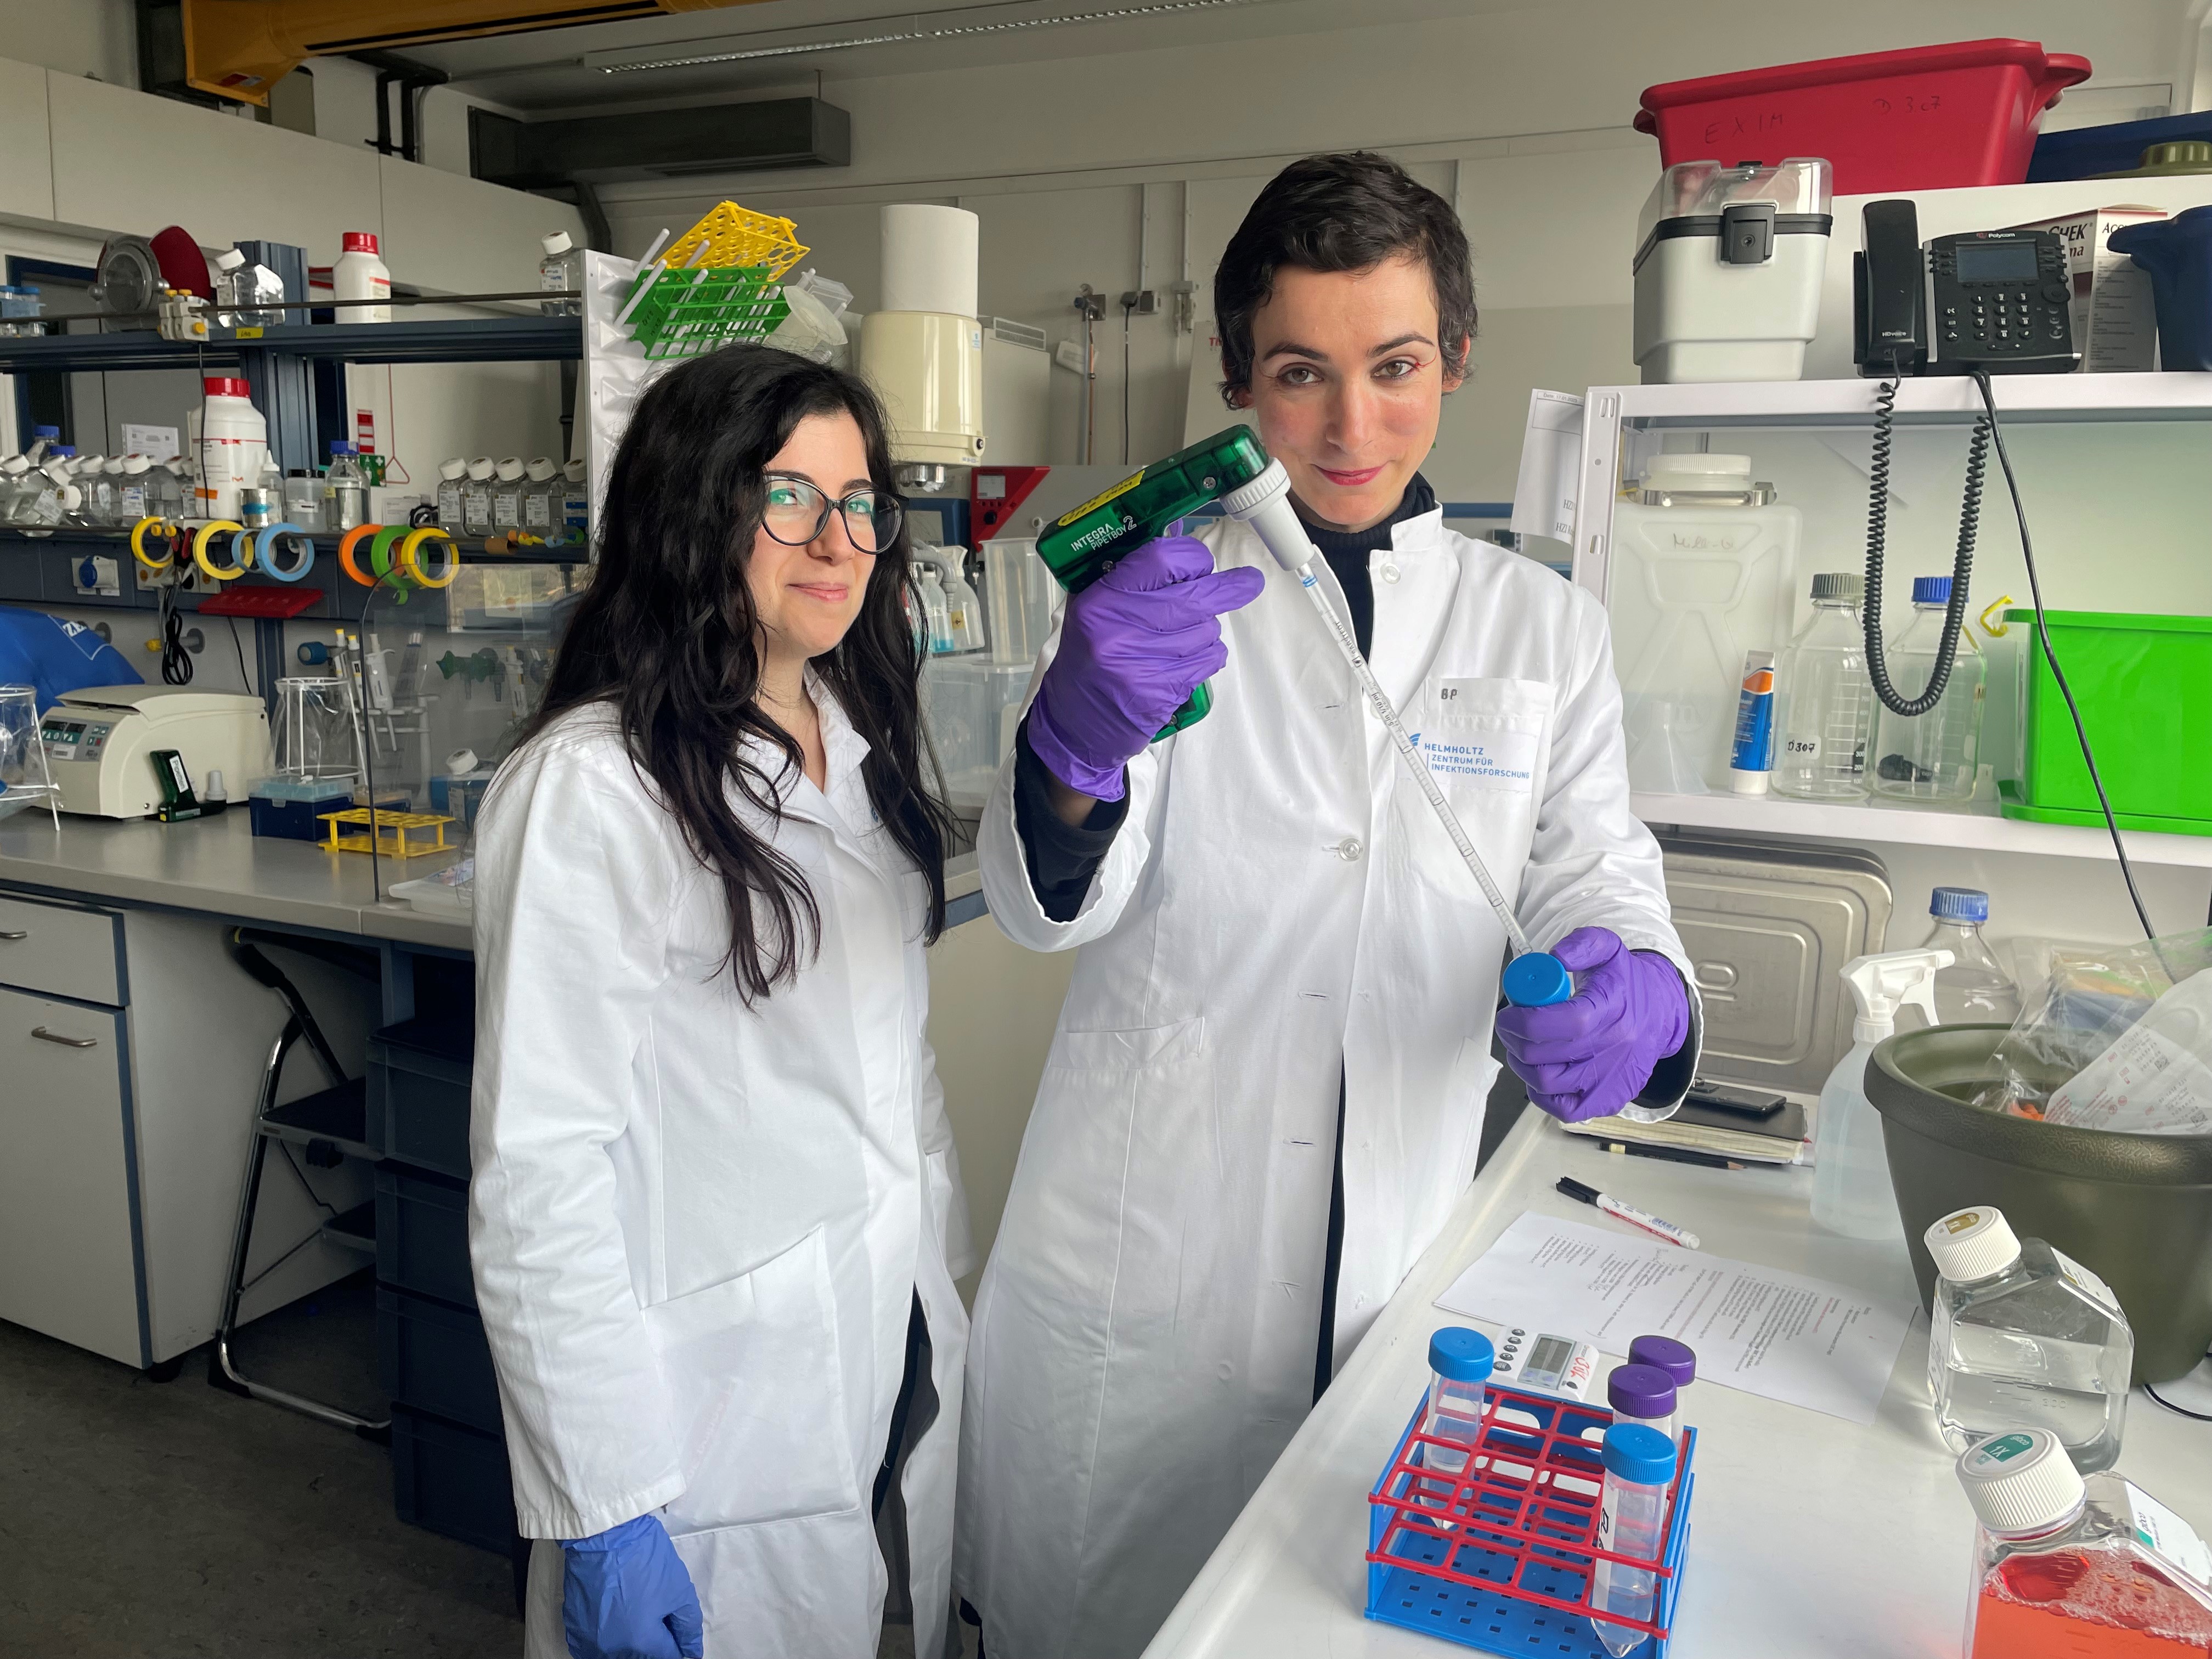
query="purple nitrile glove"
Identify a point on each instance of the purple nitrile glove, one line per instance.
(1591, 1055)
(627, 1595)
(1131, 647)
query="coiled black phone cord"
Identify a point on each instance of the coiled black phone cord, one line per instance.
(1962, 562)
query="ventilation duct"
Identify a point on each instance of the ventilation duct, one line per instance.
(757, 137)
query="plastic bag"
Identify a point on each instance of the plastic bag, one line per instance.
(2093, 996)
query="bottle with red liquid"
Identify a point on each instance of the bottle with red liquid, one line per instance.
(2069, 1567)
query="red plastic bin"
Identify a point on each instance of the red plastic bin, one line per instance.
(1930, 118)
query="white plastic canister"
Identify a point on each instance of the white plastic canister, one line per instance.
(229, 443)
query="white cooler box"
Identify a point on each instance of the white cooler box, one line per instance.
(1729, 263)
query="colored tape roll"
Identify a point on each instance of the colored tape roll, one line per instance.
(379, 549)
(411, 556)
(347, 545)
(160, 527)
(266, 551)
(242, 550)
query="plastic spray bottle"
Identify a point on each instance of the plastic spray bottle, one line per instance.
(1851, 1190)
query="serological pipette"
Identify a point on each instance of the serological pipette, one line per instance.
(1533, 978)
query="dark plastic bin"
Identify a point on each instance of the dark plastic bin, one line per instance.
(434, 1358)
(2118, 147)
(418, 1093)
(422, 1234)
(2136, 1210)
(451, 1480)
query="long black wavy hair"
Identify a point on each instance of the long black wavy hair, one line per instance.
(667, 633)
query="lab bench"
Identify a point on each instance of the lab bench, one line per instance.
(1811, 1536)
(133, 1045)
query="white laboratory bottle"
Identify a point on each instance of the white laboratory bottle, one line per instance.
(166, 494)
(561, 269)
(16, 476)
(229, 441)
(361, 275)
(1631, 1520)
(1975, 989)
(132, 495)
(1853, 1194)
(345, 490)
(1932, 756)
(2024, 1336)
(1823, 699)
(43, 438)
(303, 499)
(451, 476)
(2065, 1563)
(228, 265)
(263, 504)
(475, 496)
(541, 498)
(507, 497)
(1460, 1364)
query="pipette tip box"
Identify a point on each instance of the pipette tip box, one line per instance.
(1498, 1556)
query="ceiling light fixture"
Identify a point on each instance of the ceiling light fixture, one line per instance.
(893, 37)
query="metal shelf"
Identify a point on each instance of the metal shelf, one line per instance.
(1925, 400)
(110, 542)
(1977, 828)
(476, 340)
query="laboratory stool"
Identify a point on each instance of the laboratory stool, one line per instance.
(327, 1126)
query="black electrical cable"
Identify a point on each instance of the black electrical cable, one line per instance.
(1962, 561)
(245, 679)
(2057, 674)
(176, 661)
(2178, 1411)
(1127, 306)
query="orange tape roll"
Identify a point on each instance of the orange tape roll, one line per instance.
(347, 543)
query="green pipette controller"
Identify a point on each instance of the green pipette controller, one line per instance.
(1082, 546)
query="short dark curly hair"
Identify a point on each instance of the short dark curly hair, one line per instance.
(1347, 211)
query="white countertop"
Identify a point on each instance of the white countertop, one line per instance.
(1809, 1535)
(219, 866)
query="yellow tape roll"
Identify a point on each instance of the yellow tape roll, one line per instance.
(241, 552)
(162, 527)
(411, 556)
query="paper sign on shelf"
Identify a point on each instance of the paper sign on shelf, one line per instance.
(155, 443)
(1550, 459)
(1783, 1336)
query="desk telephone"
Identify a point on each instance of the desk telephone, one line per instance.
(1993, 300)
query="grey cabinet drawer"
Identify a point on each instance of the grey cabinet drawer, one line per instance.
(60, 950)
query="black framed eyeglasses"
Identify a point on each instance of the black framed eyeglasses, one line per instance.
(797, 512)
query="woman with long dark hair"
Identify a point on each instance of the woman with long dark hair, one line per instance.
(716, 1214)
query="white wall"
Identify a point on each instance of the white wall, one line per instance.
(1522, 114)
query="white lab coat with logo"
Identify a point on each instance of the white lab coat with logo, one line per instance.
(1279, 903)
(698, 1229)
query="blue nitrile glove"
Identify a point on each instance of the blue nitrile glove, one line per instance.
(1131, 647)
(627, 1595)
(1592, 1055)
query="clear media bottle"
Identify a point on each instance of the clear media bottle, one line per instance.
(1853, 1194)
(345, 491)
(562, 270)
(1460, 1364)
(1825, 700)
(1932, 756)
(2066, 1566)
(475, 496)
(541, 500)
(451, 475)
(1974, 990)
(2024, 1336)
(1639, 1466)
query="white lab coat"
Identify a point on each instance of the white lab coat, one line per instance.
(1279, 902)
(698, 1229)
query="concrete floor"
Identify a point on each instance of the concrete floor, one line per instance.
(141, 1519)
